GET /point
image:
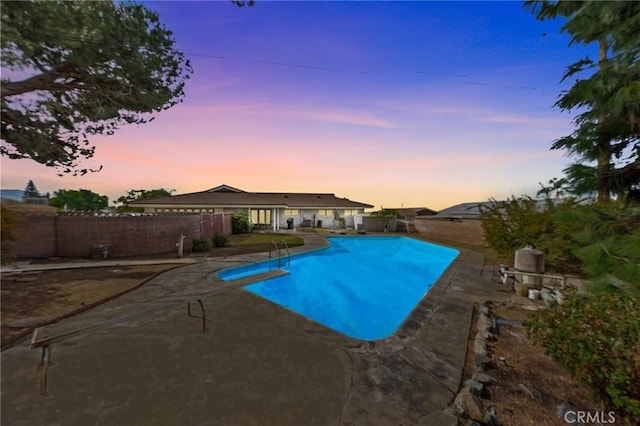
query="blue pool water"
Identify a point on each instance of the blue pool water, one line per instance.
(363, 287)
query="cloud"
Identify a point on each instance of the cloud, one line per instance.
(343, 116)
(519, 119)
(346, 117)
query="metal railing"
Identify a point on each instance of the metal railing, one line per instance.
(278, 250)
(505, 272)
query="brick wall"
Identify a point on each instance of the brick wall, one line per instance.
(35, 236)
(126, 236)
(467, 230)
(75, 236)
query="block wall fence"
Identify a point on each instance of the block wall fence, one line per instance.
(466, 230)
(39, 236)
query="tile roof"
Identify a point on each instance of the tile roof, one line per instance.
(221, 196)
(474, 210)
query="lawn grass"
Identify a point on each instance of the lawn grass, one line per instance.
(264, 240)
(491, 257)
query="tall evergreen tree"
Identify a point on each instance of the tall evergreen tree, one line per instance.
(31, 190)
(608, 126)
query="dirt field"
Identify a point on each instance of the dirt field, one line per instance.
(530, 387)
(31, 299)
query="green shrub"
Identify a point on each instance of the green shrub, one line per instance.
(517, 222)
(240, 223)
(200, 245)
(607, 237)
(219, 240)
(597, 339)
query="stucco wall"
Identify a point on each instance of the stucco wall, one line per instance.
(312, 214)
(376, 224)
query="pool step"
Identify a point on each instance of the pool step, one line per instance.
(261, 276)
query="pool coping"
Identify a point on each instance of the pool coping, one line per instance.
(410, 327)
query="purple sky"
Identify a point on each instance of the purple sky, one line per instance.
(392, 104)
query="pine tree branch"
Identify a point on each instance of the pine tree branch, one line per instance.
(44, 81)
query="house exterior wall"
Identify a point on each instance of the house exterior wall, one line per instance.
(278, 216)
(314, 217)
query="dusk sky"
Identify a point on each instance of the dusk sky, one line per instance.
(391, 104)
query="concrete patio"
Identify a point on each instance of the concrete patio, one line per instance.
(256, 364)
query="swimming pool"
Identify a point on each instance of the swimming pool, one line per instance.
(363, 287)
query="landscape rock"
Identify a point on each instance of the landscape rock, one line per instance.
(468, 405)
(486, 335)
(441, 418)
(480, 346)
(485, 324)
(474, 386)
(481, 376)
(481, 360)
(491, 417)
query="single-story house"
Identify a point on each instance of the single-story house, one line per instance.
(410, 213)
(474, 210)
(461, 211)
(266, 209)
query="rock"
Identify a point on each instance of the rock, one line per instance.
(486, 335)
(490, 417)
(485, 324)
(481, 360)
(481, 376)
(441, 418)
(474, 386)
(480, 346)
(468, 405)
(503, 322)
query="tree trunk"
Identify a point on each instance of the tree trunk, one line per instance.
(603, 173)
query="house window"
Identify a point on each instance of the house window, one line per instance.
(261, 217)
(292, 212)
(325, 212)
(350, 212)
